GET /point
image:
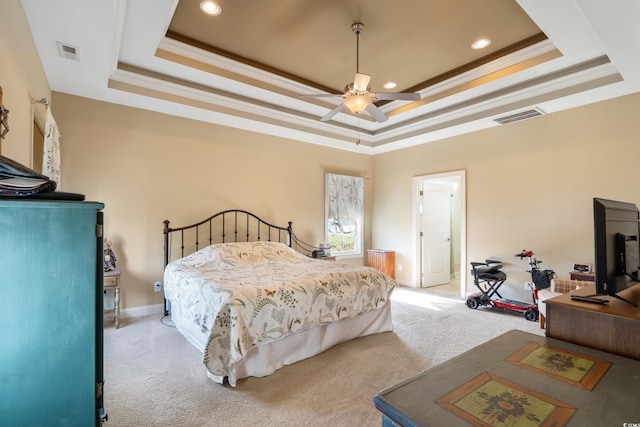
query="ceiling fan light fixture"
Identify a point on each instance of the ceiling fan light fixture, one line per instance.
(210, 8)
(357, 96)
(357, 102)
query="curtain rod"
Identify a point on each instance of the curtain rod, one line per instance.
(42, 101)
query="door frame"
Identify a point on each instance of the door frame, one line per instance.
(444, 176)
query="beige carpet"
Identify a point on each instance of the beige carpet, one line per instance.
(154, 377)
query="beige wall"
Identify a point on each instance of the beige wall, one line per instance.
(530, 186)
(147, 167)
(22, 79)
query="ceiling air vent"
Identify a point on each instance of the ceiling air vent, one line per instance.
(67, 51)
(516, 117)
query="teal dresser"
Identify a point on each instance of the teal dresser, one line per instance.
(51, 366)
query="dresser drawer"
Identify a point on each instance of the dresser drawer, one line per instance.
(110, 281)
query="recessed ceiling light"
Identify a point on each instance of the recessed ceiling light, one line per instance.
(210, 8)
(389, 85)
(480, 44)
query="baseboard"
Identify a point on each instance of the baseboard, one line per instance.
(406, 283)
(145, 310)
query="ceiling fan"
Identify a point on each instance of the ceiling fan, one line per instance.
(357, 94)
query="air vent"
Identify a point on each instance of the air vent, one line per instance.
(67, 51)
(522, 115)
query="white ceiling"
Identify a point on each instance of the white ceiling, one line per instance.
(125, 57)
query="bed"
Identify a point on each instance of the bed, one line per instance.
(252, 300)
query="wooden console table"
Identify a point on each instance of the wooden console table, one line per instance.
(452, 394)
(613, 327)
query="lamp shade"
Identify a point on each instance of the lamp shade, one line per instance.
(357, 103)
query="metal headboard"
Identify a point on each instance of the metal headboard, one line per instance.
(232, 225)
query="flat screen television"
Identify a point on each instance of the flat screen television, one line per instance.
(616, 229)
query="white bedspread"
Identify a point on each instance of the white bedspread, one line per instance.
(244, 294)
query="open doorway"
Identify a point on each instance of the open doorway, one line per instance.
(440, 232)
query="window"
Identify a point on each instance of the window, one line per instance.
(344, 211)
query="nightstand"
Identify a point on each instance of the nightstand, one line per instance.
(112, 281)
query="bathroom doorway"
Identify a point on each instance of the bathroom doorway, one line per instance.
(440, 232)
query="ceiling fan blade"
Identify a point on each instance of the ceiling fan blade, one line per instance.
(361, 82)
(376, 113)
(398, 96)
(332, 113)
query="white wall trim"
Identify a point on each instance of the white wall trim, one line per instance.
(144, 310)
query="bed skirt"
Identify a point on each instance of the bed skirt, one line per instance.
(265, 359)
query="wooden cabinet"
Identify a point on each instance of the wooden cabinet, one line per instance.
(384, 261)
(51, 366)
(613, 327)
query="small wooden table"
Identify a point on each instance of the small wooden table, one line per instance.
(436, 397)
(613, 327)
(584, 277)
(112, 281)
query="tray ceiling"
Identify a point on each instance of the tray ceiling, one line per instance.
(248, 66)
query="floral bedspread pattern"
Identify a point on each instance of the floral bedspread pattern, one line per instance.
(245, 294)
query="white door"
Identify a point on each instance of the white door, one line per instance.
(436, 234)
